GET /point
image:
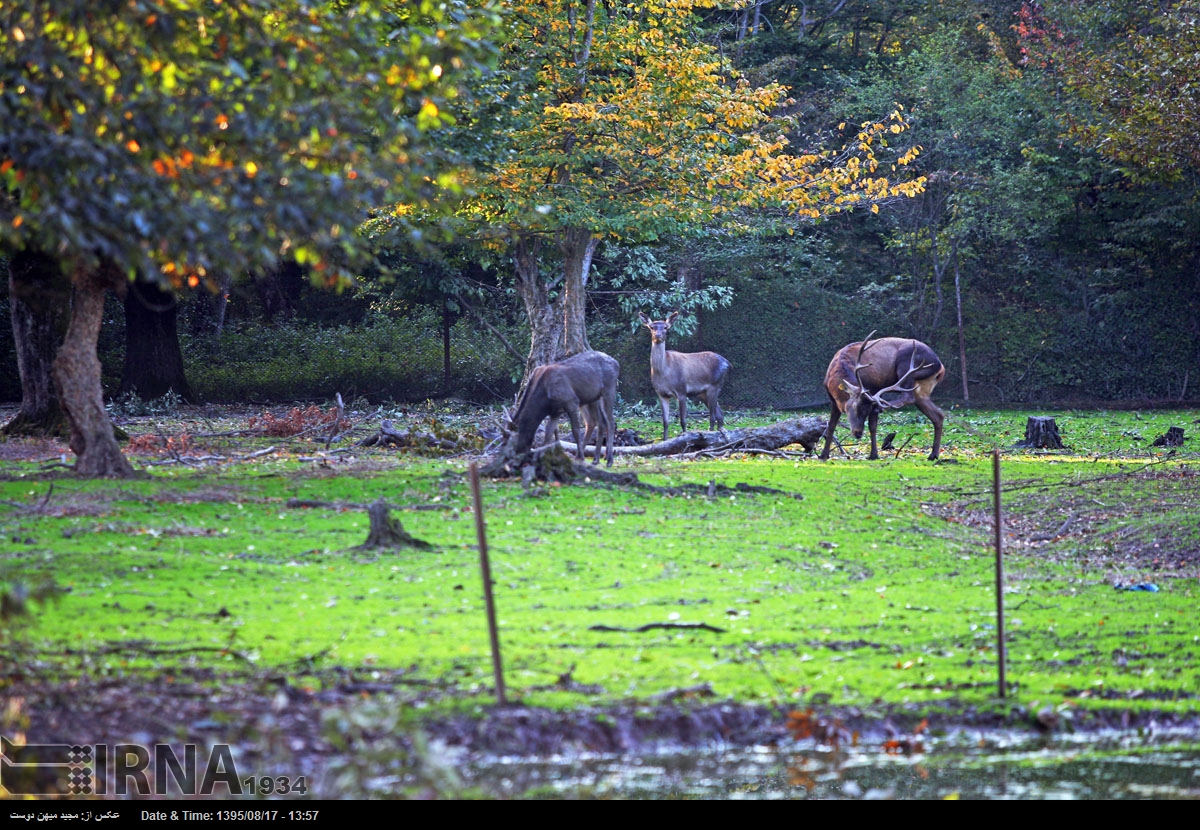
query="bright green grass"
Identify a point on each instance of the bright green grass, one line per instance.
(860, 592)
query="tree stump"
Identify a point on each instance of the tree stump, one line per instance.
(1041, 433)
(387, 532)
(1173, 438)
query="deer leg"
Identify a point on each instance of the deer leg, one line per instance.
(608, 410)
(716, 418)
(596, 422)
(682, 411)
(835, 413)
(573, 415)
(937, 417)
(873, 423)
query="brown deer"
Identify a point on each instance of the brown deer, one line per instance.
(896, 366)
(682, 375)
(584, 381)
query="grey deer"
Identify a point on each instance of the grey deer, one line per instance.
(586, 381)
(681, 375)
(896, 366)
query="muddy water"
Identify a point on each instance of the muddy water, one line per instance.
(965, 765)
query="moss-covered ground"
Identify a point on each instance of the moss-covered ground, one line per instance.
(858, 583)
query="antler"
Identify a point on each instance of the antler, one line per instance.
(858, 359)
(898, 386)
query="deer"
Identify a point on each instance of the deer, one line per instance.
(905, 368)
(681, 375)
(586, 381)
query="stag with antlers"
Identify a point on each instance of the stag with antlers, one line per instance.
(870, 376)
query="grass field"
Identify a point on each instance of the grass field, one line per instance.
(858, 583)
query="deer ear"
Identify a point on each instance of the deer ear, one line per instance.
(643, 318)
(671, 317)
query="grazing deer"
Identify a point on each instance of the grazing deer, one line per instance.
(587, 380)
(681, 375)
(894, 366)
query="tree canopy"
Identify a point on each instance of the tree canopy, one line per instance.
(622, 123)
(1132, 70)
(173, 138)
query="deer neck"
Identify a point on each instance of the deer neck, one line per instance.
(658, 356)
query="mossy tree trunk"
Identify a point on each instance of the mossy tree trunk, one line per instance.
(558, 325)
(39, 298)
(77, 373)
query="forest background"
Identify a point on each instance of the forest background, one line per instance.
(1054, 251)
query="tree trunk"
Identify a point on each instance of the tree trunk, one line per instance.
(77, 374)
(39, 296)
(446, 324)
(558, 327)
(578, 247)
(1041, 433)
(279, 289)
(387, 532)
(153, 361)
(962, 339)
(544, 324)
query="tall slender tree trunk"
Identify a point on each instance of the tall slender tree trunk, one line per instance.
(77, 373)
(446, 325)
(962, 340)
(153, 361)
(39, 296)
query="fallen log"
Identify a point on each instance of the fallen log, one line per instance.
(803, 431)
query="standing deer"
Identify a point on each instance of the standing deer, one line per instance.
(894, 365)
(587, 380)
(681, 375)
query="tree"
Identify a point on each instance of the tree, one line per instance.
(622, 125)
(1134, 68)
(181, 140)
(982, 125)
(39, 297)
(153, 360)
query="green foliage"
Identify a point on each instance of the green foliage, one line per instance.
(184, 138)
(383, 358)
(1129, 70)
(640, 279)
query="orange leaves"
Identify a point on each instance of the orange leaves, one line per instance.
(808, 724)
(296, 421)
(160, 443)
(907, 744)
